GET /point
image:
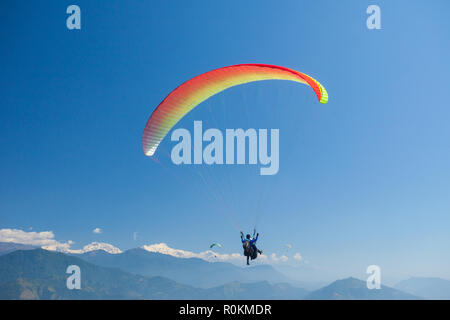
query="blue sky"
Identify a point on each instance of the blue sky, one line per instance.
(363, 179)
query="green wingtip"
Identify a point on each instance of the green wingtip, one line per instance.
(324, 97)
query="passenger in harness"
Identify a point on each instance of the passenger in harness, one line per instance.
(249, 245)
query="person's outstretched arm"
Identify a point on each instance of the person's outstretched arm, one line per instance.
(254, 239)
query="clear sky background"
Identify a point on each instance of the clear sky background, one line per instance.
(364, 179)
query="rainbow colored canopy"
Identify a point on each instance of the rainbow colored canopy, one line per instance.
(196, 90)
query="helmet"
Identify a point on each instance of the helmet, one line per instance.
(248, 236)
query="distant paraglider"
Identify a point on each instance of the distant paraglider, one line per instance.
(287, 247)
(215, 244)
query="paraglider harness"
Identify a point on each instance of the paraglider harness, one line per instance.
(249, 249)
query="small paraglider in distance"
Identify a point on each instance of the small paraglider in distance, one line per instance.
(215, 244)
(286, 248)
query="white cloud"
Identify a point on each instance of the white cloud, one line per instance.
(97, 231)
(263, 258)
(39, 239)
(207, 255)
(282, 258)
(298, 257)
(46, 240)
(135, 234)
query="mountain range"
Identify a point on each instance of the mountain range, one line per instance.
(7, 247)
(355, 289)
(29, 273)
(41, 274)
(429, 288)
(192, 271)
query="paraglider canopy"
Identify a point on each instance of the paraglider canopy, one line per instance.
(215, 244)
(196, 90)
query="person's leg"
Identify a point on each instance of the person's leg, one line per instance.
(254, 253)
(256, 249)
(248, 257)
